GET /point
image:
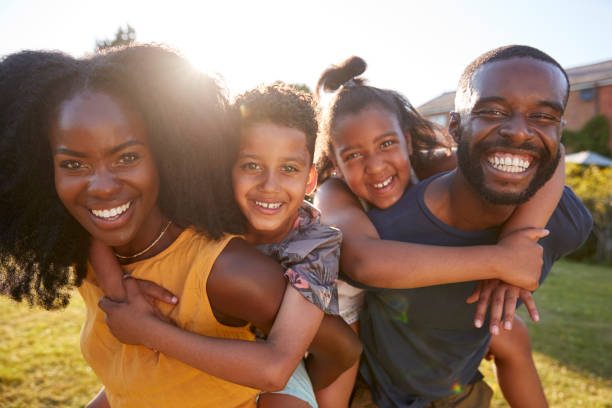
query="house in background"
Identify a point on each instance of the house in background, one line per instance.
(590, 95)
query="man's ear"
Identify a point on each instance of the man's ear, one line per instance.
(453, 126)
(311, 184)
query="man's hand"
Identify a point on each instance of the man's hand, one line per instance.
(132, 320)
(521, 259)
(502, 298)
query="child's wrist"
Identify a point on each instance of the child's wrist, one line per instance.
(498, 262)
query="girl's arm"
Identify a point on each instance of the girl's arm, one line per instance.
(381, 263)
(244, 286)
(534, 213)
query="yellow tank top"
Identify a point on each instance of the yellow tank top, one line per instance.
(135, 376)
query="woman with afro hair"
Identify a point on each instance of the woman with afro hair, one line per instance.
(127, 150)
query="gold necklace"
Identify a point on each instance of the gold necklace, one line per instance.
(161, 234)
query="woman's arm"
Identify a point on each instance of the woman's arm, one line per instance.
(109, 276)
(243, 286)
(380, 263)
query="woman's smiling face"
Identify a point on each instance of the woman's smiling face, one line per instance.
(105, 174)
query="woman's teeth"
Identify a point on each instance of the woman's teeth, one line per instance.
(112, 212)
(508, 163)
(268, 205)
(384, 183)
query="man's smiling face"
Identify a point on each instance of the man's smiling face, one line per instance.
(509, 129)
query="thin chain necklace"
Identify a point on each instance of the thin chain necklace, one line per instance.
(161, 234)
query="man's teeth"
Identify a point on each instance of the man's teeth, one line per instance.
(272, 206)
(509, 164)
(113, 212)
(384, 183)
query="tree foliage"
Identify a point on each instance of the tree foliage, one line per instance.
(299, 87)
(593, 136)
(593, 184)
(123, 36)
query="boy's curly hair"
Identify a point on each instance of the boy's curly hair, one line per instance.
(280, 104)
(43, 250)
(354, 96)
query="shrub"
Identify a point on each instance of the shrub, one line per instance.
(593, 184)
(593, 136)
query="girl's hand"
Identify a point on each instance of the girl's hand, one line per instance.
(133, 320)
(521, 261)
(502, 298)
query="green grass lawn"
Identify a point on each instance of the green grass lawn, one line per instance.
(572, 342)
(41, 365)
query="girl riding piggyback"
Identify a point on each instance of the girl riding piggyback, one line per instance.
(373, 146)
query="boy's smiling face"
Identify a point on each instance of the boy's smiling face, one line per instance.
(272, 174)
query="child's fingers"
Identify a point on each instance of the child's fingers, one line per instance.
(156, 292)
(527, 298)
(107, 305)
(475, 293)
(497, 307)
(483, 301)
(510, 307)
(536, 233)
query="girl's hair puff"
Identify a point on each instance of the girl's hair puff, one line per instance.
(43, 249)
(354, 96)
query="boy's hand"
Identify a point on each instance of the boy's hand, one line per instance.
(522, 258)
(152, 291)
(502, 297)
(110, 277)
(133, 320)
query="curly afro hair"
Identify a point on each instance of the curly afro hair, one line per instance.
(353, 96)
(280, 104)
(43, 250)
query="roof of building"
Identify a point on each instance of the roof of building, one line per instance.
(588, 157)
(583, 77)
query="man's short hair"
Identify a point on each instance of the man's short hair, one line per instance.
(500, 54)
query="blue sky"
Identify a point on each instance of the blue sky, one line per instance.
(416, 47)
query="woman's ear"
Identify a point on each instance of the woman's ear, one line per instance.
(311, 184)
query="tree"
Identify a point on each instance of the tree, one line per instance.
(122, 37)
(593, 136)
(299, 87)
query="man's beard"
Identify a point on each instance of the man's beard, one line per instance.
(470, 165)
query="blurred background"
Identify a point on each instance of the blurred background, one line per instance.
(418, 48)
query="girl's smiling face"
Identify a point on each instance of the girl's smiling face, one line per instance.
(270, 178)
(371, 153)
(105, 174)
